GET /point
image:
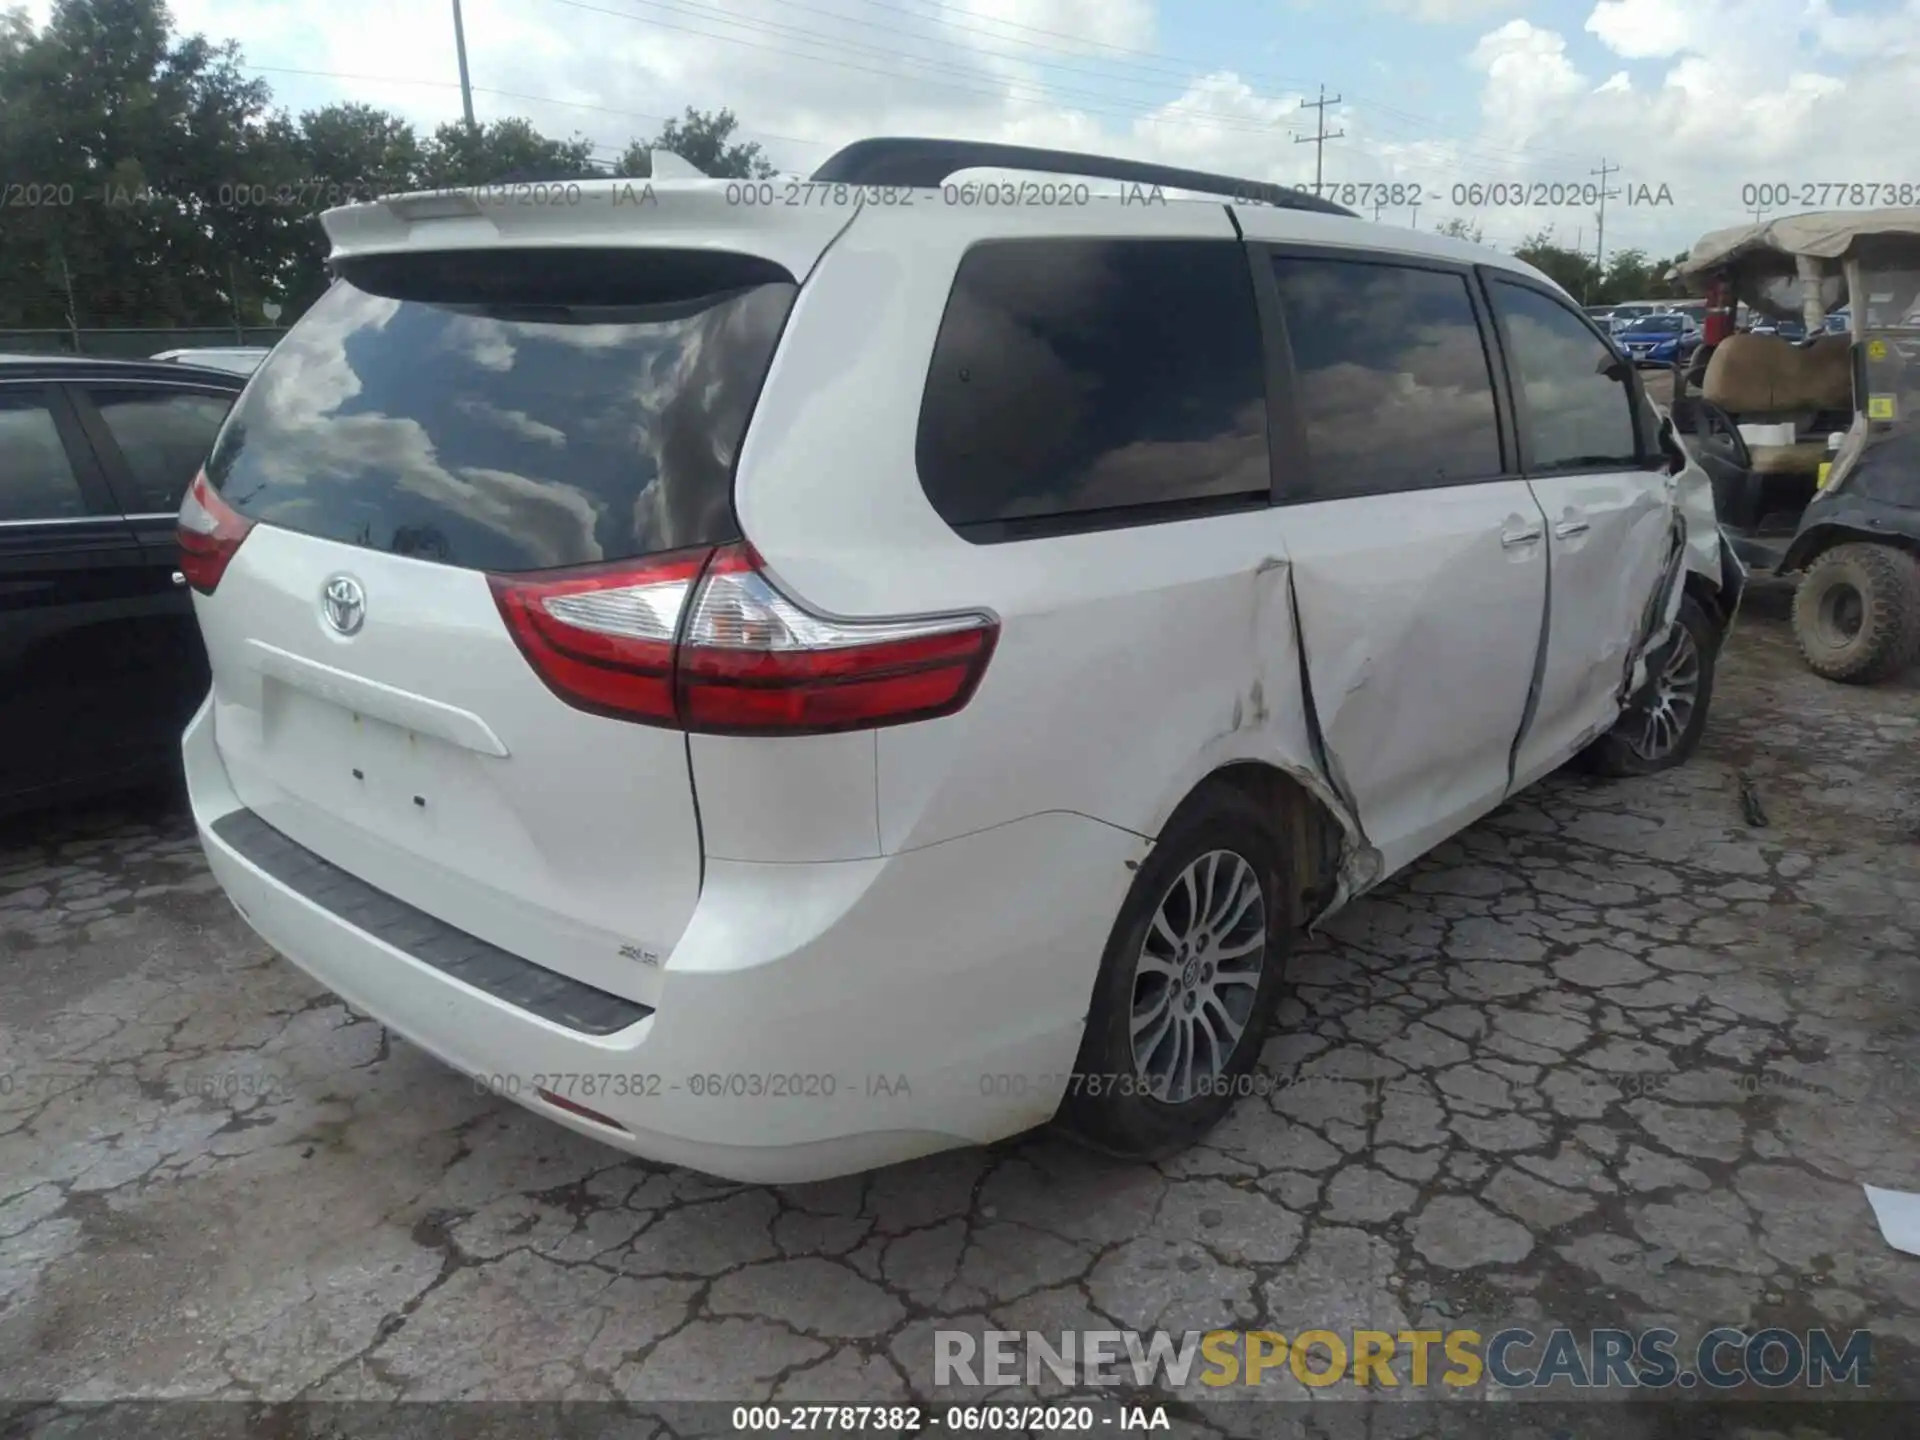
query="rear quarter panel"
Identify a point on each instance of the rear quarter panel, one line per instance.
(1131, 662)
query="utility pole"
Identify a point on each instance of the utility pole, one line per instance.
(1416, 215)
(1600, 235)
(1376, 209)
(460, 46)
(1321, 134)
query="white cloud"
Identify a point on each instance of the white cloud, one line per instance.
(1701, 95)
(1450, 12)
(1085, 24)
(1643, 29)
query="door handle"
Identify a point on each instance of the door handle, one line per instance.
(1512, 538)
(178, 578)
(1567, 529)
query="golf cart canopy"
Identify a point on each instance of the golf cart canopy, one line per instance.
(1785, 267)
(1804, 266)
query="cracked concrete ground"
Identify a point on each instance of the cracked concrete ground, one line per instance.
(1613, 1057)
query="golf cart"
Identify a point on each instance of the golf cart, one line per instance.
(1814, 447)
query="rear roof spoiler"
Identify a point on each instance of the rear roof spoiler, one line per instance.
(926, 164)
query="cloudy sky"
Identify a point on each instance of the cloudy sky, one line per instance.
(1703, 97)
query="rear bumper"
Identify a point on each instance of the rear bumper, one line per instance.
(814, 1020)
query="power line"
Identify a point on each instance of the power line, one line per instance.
(517, 95)
(1500, 159)
(1163, 61)
(1004, 88)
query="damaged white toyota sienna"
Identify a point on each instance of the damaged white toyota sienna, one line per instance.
(787, 677)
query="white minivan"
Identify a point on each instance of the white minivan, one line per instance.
(787, 676)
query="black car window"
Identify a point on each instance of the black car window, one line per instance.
(1391, 377)
(1576, 410)
(36, 477)
(1078, 376)
(165, 436)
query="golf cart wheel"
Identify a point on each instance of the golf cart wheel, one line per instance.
(1663, 728)
(1188, 985)
(1856, 613)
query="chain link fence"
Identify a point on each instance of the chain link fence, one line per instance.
(132, 342)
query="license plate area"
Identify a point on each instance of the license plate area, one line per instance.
(357, 765)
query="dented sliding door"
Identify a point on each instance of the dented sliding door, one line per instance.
(1418, 553)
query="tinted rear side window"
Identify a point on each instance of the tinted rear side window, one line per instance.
(1076, 377)
(36, 478)
(164, 436)
(511, 410)
(1391, 378)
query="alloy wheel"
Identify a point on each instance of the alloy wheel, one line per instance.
(1669, 709)
(1197, 976)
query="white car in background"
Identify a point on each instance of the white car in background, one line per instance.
(787, 688)
(237, 359)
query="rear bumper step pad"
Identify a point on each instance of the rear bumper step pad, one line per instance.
(507, 977)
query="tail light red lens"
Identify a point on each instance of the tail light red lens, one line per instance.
(602, 638)
(209, 534)
(704, 641)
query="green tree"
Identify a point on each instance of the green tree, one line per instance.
(1460, 228)
(502, 150)
(338, 154)
(133, 131)
(1572, 270)
(150, 182)
(702, 141)
(359, 150)
(1629, 276)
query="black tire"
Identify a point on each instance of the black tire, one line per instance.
(1856, 613)
(1622, 751)
(1109, 1105)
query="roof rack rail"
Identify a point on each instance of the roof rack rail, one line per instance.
(921, 163)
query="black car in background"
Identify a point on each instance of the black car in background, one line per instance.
(101, 664)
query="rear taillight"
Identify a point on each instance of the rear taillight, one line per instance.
(602, 638)
(209, 533)
(704, 641)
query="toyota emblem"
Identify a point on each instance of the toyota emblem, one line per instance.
(344, 604)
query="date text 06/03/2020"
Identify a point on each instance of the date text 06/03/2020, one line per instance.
(963, 1419)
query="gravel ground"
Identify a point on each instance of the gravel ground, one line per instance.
(1616, 1056)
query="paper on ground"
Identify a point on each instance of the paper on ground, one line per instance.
(1899, 1217)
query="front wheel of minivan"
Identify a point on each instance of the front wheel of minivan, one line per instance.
(1187, 986)
(1664, 727)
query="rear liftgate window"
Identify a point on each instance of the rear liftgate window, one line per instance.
(511, 410)
(1080, 383)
